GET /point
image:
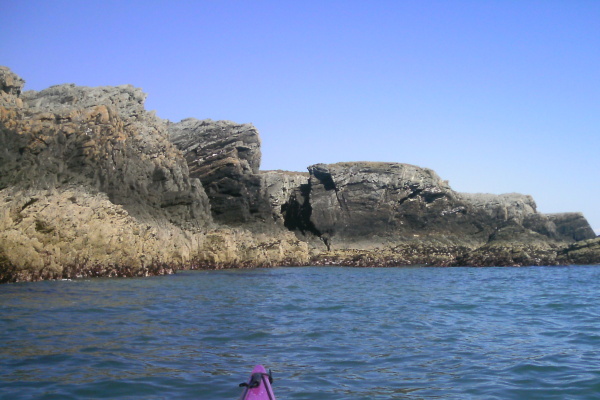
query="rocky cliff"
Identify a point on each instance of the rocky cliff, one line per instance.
(101, 137)
(346, 203)
(93, 184)
(400, 214)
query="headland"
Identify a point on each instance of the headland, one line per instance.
(93, 184)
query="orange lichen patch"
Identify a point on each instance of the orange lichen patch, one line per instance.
(9, 116)
(97, 114)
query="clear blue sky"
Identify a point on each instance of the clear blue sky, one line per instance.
(495, 96)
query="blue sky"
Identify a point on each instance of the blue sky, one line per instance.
(495, 96)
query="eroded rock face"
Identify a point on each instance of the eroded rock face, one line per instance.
(74, 233)
(92, 184)
(502, 207)
(365, 201)
(362, 199)
(572, 226)
(225, 157)
(11, 86)
(101, 137)
(277, 188)
(521, 210)
(376, 203)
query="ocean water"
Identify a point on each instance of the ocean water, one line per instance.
(327, 333)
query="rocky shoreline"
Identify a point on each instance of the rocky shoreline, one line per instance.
(93, 184)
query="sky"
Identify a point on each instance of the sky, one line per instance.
(495, 96)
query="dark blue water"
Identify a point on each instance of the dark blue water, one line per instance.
(327, 333)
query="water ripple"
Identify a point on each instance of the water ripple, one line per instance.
(328, 333)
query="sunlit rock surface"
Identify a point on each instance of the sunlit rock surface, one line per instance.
(93, 184)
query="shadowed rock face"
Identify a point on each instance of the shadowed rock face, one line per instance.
(225, 157)
(376, 202)
(358, 200)
(277, 188)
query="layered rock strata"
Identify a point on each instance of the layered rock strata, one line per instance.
(101, 137)
(400, 214)
(348, 203)
(582, 252)
(225, 157)
(92, 184)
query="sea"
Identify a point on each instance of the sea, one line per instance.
(325, 332)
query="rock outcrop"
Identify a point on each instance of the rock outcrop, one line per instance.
(513, 245)
(92, 184)
(582, 252)
(225, 157)
(100, 137)
(73, 232)
(11, 86)
(354, 201)
(276, 190)
(571, 226)
(349, 203)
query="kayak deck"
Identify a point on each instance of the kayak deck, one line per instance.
(258, 386)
